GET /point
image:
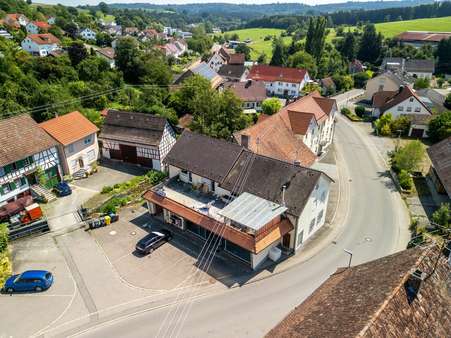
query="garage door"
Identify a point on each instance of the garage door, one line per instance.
(417, 133)
(128, 153)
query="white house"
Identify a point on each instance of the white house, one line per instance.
(51, 20)
(40, 44)
(25, 149)
(36, 27)
(16, 20)
(277, 208)
(280, 81)
(136, 138)
(402, 102)
(77, 138)
(87, 34)
(387, 81)
(108, 54)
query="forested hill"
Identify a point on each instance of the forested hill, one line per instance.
(437, 9)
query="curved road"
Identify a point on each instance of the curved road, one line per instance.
(374, 224)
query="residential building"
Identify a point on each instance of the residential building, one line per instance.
(233, 72)
(387, 81)
(115, 30)
(40, 44)
(299, 132)
(16, 20)
(175, 48)
(202, 69)
(36, 27)
(421, 38)
(186, 35)
(108, 54)
(356, 66)
(131, 31)
(251, 93)
(87, 34)
(219, 58)
(152, 34)
(136, 138)
(404, 101)
(419, 125)
(51, 20)
(440, 172)
(328, 85)
(25, 149)
(256, 205)
(436, 95)
(416, 68)
(77, 141)
(405, 294)
(280, 81)
(5, 34)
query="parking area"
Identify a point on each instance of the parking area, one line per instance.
(39, 309)
(170, 266)
(62, 212)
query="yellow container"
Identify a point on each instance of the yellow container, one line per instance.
(107, 220)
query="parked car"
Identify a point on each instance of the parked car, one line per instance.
(31, 280)
(152, 241)
(62, 189)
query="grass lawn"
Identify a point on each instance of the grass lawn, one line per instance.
(390, 29)
(258, 44)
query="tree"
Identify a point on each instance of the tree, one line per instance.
(279, 56)
(440, 127)
(348, 46)
(421, 83)
(77, 52)
(304, 60)
(316, 37)
(127, 58)
(447, 102)
(400, 125)
(261, 58)
(382, 124)
(244, 49)
(405, 180)
(360, 111)
(443, 54)
(442, 216)
(409, 157)
(370, 45)
(271, 106)
(343, 82)
(360, 79)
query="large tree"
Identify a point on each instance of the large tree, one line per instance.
(279, 54)
(348, 46)
(316, 37)
(440, 126)
(370, 47)
(77, 52)
(443, 55)
(303, 59)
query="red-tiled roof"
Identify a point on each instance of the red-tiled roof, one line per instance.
(44, 39)
(237, 59)
(273, 73)
(424, 36)
(68, 128)
(248, 91)
(41, 24)
(108, 52)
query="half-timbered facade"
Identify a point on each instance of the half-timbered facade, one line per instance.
(136, 138)
(26, 152)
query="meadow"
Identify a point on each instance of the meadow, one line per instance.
(391, 29)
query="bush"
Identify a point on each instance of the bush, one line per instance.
(345, 111)
(442, 215)
(113, 204)
(5, 267)
(409, 157)
(405, 180)
(271, 106)
(154, 176)
(385, 130)
(421, 84)
(3, 237)
(440, 126)
(447, 102)
(382, 124)
(360, 111)
(402, 124)
(106, 189)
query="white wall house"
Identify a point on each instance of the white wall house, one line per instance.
(51, 20)
(87, 34)
(40, 44)
(36, 27)
(77, 139)
(280, 81)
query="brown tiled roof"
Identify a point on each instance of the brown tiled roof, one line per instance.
(20, 137)
(107, 52)
(68, 128)
(328, 82)
(273, 73)
(44, 39)
(41, 24)
(380, 98)
(403, 94)
(242, 239)
(298, 121)
(236, 59)
(371, 300)
(423, 36)
(133, 127)
(440, 155)
(232, 71)
(249, 91)
(273, 138)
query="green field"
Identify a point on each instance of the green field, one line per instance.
(258, 44)
(390, 29)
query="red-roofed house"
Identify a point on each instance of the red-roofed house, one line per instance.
(77, 137)
(36, 27)
(40, 44)
(15, 20)
(280, 81)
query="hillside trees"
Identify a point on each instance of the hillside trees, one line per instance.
(443, 55)
(303, 59)
(77, 52)
(316, 37)
(370, 46)
(279, 54)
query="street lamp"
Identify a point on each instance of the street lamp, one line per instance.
(350, 256)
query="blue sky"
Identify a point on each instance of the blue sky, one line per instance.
(164, 2)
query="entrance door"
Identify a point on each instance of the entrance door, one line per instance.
(81, 163)
(286, 241)
(128, 153)
(417, 133)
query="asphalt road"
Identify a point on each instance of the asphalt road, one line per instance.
(374, 225)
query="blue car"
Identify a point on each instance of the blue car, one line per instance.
(32, 280)
(62, 189)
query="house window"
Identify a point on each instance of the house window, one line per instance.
(88, 140)
(319, 219)
(91, 155)
(417, 109)
(74, 164)
(409, 109)
(312, 225)
(411, 99)
(293, 85)
(70, 148)
(300, 237)
(323, 196)
(400, 108)
(6, 188)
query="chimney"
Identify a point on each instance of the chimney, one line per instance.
(245, 141)
(297, 163)
(248, 84)
(401, 88)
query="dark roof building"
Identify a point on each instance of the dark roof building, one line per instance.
(249, 91)
(233, 72)
(402, 295)
(416, 66)
(440, 155)
(419, 38)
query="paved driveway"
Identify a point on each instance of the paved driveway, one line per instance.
(62, 212)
